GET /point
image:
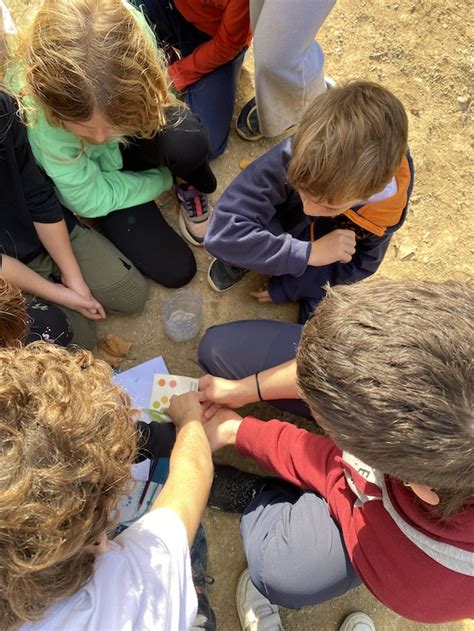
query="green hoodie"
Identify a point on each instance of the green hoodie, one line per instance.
(88, 178)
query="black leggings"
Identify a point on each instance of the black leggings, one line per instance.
(141, 232)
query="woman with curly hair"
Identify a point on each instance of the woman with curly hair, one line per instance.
(67, 442)
(105, 127)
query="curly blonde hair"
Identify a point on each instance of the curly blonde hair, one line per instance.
(66, 442)
(13, 315)
(79, 56)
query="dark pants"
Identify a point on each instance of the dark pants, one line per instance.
(141, 232)
(239, 349)
(212, 97)
(295, 550)
(48, 323)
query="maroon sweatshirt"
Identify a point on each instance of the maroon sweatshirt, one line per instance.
(420, 567)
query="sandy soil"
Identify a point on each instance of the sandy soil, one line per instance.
(423, 52)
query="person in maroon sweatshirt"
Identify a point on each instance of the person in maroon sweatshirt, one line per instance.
(387, 497)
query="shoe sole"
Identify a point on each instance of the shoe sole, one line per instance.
(187, 236)
(213, 285)
(243, 135)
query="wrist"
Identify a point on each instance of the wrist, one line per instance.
(189, 419)
(232, 430)
(248, 389)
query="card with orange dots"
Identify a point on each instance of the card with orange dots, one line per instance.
(164, 387)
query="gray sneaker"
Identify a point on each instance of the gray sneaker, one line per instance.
(222, 276)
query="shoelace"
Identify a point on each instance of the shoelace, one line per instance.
(195, 203)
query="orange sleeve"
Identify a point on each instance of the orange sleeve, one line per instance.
(232, 35)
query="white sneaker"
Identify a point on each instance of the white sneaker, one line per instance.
(357, 621)
(256, 613)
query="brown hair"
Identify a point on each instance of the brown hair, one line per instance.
(83, 55)
(349, 143)
(388, 368)
(13, 316)
(66, 443)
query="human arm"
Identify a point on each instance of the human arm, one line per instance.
(190, 477)
(82, 184)
(244, 229)
(55, 239)
(27, 280)
(307, 460)
(369, 254)
(278, 382)
(231, 37)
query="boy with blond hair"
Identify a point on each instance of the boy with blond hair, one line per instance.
(320, 207)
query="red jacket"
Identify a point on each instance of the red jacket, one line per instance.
(227, 22)
(421, 568)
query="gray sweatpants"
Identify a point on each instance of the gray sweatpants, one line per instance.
(289, 63)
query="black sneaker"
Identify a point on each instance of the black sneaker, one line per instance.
(205, 618)
(222, 276)
(232, 490)
(247, 124)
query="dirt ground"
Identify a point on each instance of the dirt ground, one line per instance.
(422, 50)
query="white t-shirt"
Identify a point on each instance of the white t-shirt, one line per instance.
(143, 582)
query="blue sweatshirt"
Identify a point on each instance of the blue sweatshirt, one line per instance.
(259, 224)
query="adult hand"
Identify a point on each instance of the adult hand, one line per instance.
(337, 246)
(88, 307)
(79, 286)
(184, 408)
(221, 429)
(216, 391)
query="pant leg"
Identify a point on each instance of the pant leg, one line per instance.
(111, 277)
(212, 98)
(288, 62)
(295, 550)
(183, 146)
(239, 349)
(143, 236)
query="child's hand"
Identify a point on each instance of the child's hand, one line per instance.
(184, 408)
(221, 429)
(215, 391)
(77, 284)
(261, 295)
(337, 246)
(90, 308)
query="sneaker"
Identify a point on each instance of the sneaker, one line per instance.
(357, 621)
(194, 215)
(247, 124)
(256, 613)
(232, 489)
(222, 276)
(205, 618)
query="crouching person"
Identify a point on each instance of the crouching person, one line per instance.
(387, 499)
